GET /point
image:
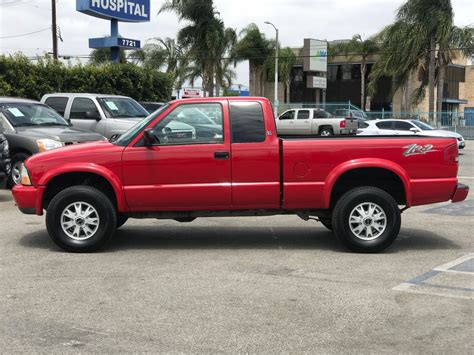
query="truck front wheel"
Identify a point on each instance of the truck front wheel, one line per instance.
(366, 220)
(81, 219)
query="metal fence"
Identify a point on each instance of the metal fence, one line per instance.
(447, 120)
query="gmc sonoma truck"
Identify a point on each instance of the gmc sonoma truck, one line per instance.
(356, 186)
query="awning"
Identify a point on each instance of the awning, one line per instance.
(455, 101)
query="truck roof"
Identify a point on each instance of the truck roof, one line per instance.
(89, 95)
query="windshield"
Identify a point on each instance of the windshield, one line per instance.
(121, 107)
(423, 126)
(31, 114)
(128, 136)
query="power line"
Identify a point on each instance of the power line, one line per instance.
(27, 34)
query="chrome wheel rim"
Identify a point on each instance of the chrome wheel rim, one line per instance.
(16, 172)
(80, 221)
(325, 133)
(368, 221)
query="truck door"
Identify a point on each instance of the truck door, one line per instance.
(84, 114)
(255, 158)
(183, 171)
(303, 122)
(286, 123)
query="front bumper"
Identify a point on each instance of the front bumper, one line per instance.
(29, 199)
(460, 193)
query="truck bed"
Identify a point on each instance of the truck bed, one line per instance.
(311, 165)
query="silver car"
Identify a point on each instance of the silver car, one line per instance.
(107, 115)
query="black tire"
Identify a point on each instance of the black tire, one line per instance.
(16, 160)
(326, 132)
(121, 220)
(352, 199)
(95, 198)
(327, 222)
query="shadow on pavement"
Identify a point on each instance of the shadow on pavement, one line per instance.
(5, 196)
(175, 237)
(417, 239)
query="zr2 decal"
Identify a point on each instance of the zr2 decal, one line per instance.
(416, 149)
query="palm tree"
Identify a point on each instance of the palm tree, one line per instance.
(254, 47)
(411, 43)
(358, 48)
(205, 37)
(460, 42)
(286, 63)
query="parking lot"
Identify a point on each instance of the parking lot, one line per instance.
(274, 284)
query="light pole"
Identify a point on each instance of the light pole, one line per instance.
(276, 103)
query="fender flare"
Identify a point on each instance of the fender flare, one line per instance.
(339, 170)
(105, 173)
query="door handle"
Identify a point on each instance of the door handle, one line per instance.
(221, 155)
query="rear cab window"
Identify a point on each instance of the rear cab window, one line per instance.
(247, 122)
(303, 114)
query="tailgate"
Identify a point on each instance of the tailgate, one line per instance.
(352, 124)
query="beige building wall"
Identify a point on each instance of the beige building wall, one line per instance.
(466, 89)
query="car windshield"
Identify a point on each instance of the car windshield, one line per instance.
(31, 114)
(423, 126)
(128, 136)
(121, 107)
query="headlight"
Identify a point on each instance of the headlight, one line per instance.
(48, 144)
(25, 176)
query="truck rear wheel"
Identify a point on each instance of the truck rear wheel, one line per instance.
(81, 219)
(366, 220)
(326, 132)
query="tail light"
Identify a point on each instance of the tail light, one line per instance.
(342, 124)
(451, 153)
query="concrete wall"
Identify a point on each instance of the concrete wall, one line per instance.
(466, 90)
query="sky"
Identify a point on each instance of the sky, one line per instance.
(296, 20)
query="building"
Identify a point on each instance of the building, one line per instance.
(343, 77)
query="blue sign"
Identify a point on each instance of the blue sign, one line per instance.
(121, 10)
(107, 42)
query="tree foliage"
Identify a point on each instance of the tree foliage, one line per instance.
(21, 77)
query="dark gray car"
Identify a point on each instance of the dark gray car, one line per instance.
(31, 127)
(4, 161)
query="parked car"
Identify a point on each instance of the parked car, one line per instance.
(152, 106)
(307, 121)
(406, 127)
(31, 127)
(356, 186)
(108, 115)
(4, 161)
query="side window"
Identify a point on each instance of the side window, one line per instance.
(289, 115)
(384, 125)
(57, 103)
(403, 126)
(191, 124)
(80, 107)
(247, 123)
(303, 114)
(319, 114)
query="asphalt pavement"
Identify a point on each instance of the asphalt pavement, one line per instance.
(264, 285)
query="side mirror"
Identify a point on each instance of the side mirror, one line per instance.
(93, 115)
(149, 138)
(414, 130)
(114, 137)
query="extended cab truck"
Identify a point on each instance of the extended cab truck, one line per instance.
(310, 121)
(356, 186)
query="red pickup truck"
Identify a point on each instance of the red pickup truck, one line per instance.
(222, 157)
